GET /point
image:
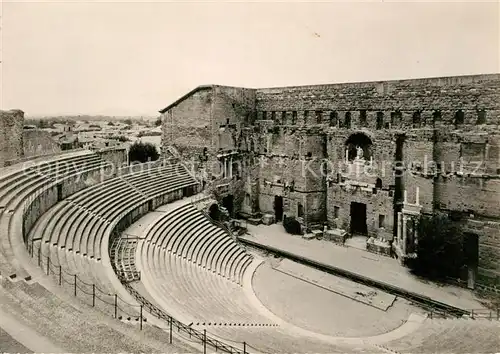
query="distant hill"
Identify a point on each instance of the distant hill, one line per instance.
(85, 117)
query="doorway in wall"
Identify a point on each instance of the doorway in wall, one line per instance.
(358, 219)
(59, 192)
(278, 208)
(227, 202)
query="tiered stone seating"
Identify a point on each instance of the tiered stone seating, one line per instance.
(72, 232)
(199, 295)
(152, 181)
(206, 300)
(67, 326)
(193, 267)
(27, 180)
(188, 234)
(450, 336)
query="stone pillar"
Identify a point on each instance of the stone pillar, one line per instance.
(230, 167)
(403, 243)
(399, 225)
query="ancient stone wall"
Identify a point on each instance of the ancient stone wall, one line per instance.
(11, 135)
(437, 137)
(117, 157)
(401, 104)
(38, 142)
(188, 123)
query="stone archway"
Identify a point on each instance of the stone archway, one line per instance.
(213, 212)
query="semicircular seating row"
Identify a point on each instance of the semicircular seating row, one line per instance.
(209, 301)
(71, 327)
(72, 232)
(196, 268)
(187, 233)
(34, 304)
(20, 182)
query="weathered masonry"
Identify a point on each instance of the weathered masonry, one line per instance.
(18, 143)
(11, 135)
(366, 157)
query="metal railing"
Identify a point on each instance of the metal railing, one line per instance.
(113, 304)
(88, 292)
(203, 336)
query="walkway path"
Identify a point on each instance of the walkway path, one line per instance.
(380, 268)
(15, 337)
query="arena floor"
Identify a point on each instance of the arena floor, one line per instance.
(376, 267)
(316, 309)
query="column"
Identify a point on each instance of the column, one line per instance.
(230, 167)
(403, 246)
(399, 225)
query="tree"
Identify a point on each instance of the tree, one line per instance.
(158, 122)
(142, 152)
(42, 124)
(291, 225)
(440, 251)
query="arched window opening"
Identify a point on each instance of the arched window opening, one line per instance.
(358, 147)
(378, 183)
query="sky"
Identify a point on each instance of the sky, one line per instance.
(134, 58)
